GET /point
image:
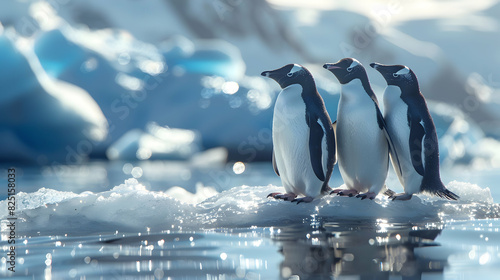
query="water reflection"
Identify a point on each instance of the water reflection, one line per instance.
(313, 249)
(366, 249)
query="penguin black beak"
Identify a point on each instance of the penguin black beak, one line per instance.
(273, 74)
(375, 65)
(330, 66)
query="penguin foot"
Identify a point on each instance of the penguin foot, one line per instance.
(285, 197)
(306, 199)
(272, 194)
(390, 193)
(370, 195)
(401, 196)
(343, 192)
(336, 191)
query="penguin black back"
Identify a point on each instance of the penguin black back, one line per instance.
(423, 140)
(348, 69)
(316, 117)
(295, 74)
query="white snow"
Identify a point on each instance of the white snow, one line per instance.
(471, 193)
(132, 207)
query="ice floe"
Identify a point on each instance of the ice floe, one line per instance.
(130, 207)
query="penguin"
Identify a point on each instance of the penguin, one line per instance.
(363, 141)
(303, 137)
(415, 139)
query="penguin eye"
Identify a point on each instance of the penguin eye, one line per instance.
(395, 75)
(349, 69)
(289, 74)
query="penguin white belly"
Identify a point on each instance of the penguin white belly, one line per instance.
(362, 146)
(396, 118)
(291, 144)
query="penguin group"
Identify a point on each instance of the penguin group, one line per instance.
(361, 141)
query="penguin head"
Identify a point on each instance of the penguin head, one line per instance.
(396, 75)
(346, 69)
(288, 75)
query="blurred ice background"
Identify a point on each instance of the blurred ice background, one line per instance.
(140, 132)
(140, 80)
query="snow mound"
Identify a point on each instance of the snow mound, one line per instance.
(471, 193)
(130, 207)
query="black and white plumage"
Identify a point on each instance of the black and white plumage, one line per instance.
(414, 133)
(303, 138)
(363, 141)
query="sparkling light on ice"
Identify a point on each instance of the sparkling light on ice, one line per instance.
(130, 207)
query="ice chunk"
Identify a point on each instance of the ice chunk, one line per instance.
(156, 143)
(210, 158)
(136, 83)
(461, 140)
(132, 207)
(487, 154)
(470, 193)
(457, 134)
(201, 194)
(52, 119)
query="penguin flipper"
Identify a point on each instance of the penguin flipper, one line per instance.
(417, 133)
(392, 149)
(275, 167)
(316, 134)
(334, 126)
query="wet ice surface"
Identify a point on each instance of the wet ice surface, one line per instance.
(132, 207)
(143, 229)
(309, 249)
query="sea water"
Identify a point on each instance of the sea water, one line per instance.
(174, 220)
